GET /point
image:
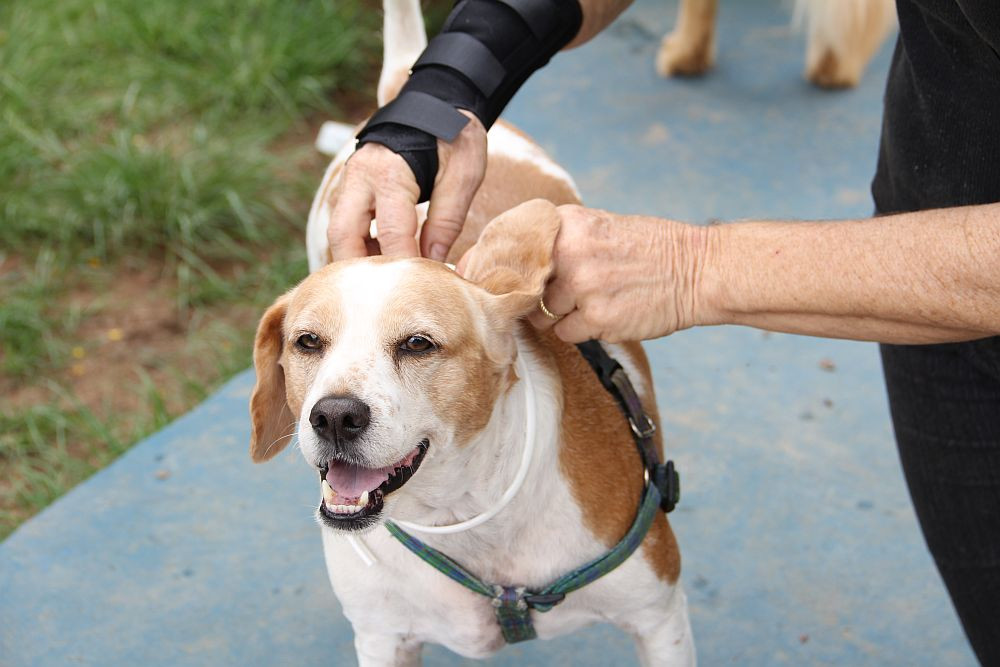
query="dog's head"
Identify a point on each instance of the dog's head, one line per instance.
(387, 369)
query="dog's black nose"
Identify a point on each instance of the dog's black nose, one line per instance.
(339, 418)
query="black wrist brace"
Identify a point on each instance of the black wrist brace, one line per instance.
(486, 51)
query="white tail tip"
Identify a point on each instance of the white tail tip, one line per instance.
(333, 136)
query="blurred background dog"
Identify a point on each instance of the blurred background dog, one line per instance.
(843, 35)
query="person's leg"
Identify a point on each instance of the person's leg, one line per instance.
(945, 403)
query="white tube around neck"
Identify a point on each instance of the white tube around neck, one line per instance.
(522, 472)
(368, 558)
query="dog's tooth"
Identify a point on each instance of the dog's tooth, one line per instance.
(363, 500)
(329, 495)
(345, 509)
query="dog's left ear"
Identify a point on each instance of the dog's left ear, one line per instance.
(513, 257)
(273, 423)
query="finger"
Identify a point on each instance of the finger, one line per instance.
(573, 328)
(540, 320)
(557, 300)
(460, 266)
(449, 207)
(349, 223)
(397, 225)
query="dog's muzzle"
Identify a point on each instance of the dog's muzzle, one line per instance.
(353, 495)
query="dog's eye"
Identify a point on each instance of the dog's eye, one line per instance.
(416, 344)
(309, 341)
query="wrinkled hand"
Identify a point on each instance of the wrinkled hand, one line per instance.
(621, 277)
(377, 183)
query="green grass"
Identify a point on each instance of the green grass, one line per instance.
(30, 332)
(132, 126)
(51, 447)
(36, 445)
(138, 134)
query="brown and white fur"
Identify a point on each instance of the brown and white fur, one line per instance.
(843, 35)
(465, 398)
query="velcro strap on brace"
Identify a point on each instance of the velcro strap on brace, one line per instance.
(539, 16)
(466, 55)
(485, 52)
(408, 126)
(423, 112)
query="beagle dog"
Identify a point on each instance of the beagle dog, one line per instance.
(843, 35)
(423, 399)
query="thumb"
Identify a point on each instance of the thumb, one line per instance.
(447, 212)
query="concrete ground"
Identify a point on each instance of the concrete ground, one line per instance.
(800, 544)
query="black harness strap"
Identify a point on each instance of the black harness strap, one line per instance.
(513, 604)
(613, 377)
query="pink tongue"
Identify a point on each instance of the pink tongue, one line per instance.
(350, 481)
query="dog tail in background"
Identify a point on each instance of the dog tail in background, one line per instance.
(843, 35)
(403, 40)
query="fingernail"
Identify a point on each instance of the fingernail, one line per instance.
(439, 251)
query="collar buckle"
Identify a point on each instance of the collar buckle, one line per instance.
(646, 430)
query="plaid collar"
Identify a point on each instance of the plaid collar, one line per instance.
(513, 604)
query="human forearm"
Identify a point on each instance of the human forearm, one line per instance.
(428, 141)
(597, 15)
(929, 276)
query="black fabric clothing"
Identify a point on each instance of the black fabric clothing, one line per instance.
(941, 125)
(940, 147)
(945, 405)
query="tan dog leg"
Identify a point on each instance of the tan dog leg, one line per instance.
(690, 48)
(843, 37)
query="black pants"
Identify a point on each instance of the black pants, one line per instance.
(945, 402)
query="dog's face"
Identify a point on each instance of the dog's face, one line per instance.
(387, 369)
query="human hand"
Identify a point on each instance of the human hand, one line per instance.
(622, 277)
(377, 183)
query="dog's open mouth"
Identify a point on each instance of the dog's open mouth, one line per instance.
(353, 496)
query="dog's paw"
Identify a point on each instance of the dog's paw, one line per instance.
(682, 56)
(832, 71)
(843, 37)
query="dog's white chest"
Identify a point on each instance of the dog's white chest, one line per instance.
(403, 595)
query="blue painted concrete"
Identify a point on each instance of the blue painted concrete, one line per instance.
(800, 545)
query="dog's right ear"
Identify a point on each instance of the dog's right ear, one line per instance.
(273, 424)
(512, 260)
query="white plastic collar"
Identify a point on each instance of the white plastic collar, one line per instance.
(368, 558)
(522, 472)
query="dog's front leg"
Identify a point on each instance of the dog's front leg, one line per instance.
(690, 48)
(663, 634)
(376, 650)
